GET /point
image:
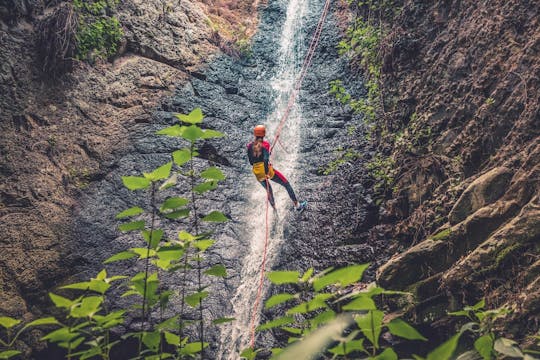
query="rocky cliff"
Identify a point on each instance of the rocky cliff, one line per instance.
(461, 81)
(60, 136)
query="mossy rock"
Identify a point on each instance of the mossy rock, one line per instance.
(483, 191)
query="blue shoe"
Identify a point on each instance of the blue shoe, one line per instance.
(301, 206)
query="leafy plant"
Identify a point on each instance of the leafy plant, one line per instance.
(13, 330)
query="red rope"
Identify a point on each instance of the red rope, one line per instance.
(307, 62)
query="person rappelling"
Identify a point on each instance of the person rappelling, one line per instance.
(259, 157)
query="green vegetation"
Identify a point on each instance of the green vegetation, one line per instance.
(382, 170)
(343, 156)
(98, 33)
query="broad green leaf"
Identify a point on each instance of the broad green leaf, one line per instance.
(370, 324)
(60, 301)
(110, 320)
(180, 157)
(102, 275)
(175, 130)
(185, 236)
(160, 173)
(194, 117)
(171, 338)
(387, 354)
(479, 305)
(215, 216)
(322, 318)
(283, 277)
(210, 134)
(60, 335)
(135, 182)
(204, 244)
(285, 320)
(507, 347)
(151, 340)
(361, 303)
(222, 321)
(154, 238)
(173, 203)
(318, 302)
(130, 212)
(43, 321)
(93, 285)
(248, 354)
(205, 186)
(9, 354)
(192, 133)
(177, 214)
(217, 270)
(193, 300)
(445, 350)
(484, 346)
(343, 277)
(213, 173)
(143, 252)
(87, 307)
(278, 299)
(169, 324)
(193, 348)
(400, 328)
(307, 275)
(124, 255)
(350, 346)
(170, 253)
(8, 322)
(130, 226)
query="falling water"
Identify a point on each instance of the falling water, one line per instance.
(236, 336)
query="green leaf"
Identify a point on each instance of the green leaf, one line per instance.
(283, 277)
(205, 186)
(222, 321)
(445, 350)
(217, 270)
(87, 307)
(249, 354)
(507, 347)
(213, 173)
(8, 322)
(285, 320)
(43, 321)
(151, 340)
(9, 354)
(60, 301)
(215, 216)
(343, 277)
(143, 252)
(60, 335)
(177, 214)
(322, 318)
(371, 324)
(135, 182)
(102, 275)
(387, 354)
(307, 275)
(154, 238)
(210, 134)
(484, 346)
(175, 130)
(192, 133)
(170, 253)
(130, 212)
(361, 303)
(160, 173)
(93, 285)
(193, 348)
(124, 255)
(278, 299)
(193, 300)
(350, 346)
(204, 244)
(185, 236)
(171, 338)
(194, 117)
(180, 157)
(173, 203)
(400, 328)
(479, 305)
(130, 226)
(318, 302)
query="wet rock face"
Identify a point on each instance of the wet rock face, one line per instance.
(470, 77)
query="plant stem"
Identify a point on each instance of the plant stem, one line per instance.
(147, 260)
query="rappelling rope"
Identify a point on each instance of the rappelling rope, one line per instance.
(307, 62)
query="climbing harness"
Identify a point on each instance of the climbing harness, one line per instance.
(307, 62)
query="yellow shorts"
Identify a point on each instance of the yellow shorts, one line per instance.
(258, 170)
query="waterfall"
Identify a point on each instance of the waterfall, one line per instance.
(236, 336)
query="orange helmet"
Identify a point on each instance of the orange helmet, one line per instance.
(259, 131)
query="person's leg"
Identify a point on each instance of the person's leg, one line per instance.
(282, 180)
(270, 192)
